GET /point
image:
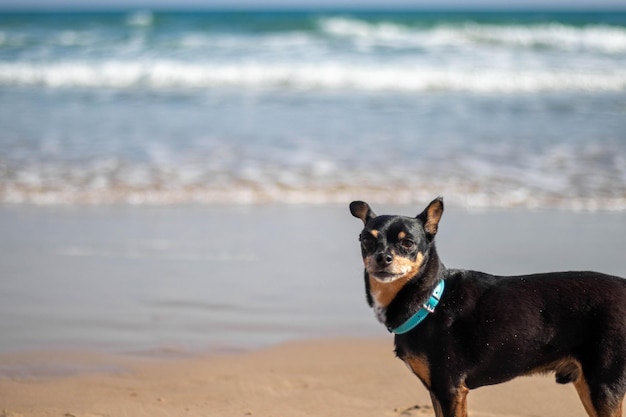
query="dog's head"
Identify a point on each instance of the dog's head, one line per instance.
(394, 247)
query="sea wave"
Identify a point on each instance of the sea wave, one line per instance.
(469, 184)
(332, 52)
(330, 36)
(457, 194)
(159, 74)
(591, 38)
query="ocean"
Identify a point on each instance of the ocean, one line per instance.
(489, 109)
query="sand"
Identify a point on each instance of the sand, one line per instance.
(351, 377)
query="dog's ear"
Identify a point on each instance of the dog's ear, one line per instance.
(431, 216)
(362, 210)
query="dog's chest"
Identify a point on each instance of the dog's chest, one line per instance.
(383, 293)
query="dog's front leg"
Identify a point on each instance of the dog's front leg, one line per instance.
(436, 405)
(452, 404)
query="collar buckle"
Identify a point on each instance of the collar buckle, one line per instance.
(429, 308)
(432, 302)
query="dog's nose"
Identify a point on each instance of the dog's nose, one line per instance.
(384, 259)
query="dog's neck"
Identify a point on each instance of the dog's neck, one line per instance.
(414, 293)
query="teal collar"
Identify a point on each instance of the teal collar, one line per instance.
(417, 318)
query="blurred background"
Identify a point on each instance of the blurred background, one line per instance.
(491, 109)
(166, 167)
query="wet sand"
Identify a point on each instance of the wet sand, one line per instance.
(223, 278)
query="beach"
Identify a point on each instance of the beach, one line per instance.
(245, 310)
(306, 378)
(175, 237)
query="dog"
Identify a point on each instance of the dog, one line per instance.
(458, 330)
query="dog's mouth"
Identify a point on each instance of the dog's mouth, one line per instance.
(384, 276)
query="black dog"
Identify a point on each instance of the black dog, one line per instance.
(458, 330)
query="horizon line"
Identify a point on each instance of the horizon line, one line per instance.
(313, 9)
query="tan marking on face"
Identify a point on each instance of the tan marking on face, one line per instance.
(374, 233)
(420, 367)
(401, 235)
(385, 291)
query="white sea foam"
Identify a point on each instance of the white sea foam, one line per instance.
(598, 37)
(329, 76)
(550, 180)
(458, 193)
(331, 34)
(340, 53)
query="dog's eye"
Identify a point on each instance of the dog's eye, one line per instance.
(407, 243)
(368, 243)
